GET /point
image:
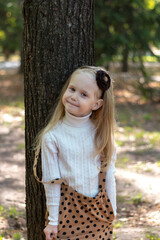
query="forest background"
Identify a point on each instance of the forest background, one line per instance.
(127, 43)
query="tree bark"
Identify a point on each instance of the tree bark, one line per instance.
(58, 37)
(125, 59)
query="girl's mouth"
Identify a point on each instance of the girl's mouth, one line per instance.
(72, 104)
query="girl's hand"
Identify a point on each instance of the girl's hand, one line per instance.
(50, 231)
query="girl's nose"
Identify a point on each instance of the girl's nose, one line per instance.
(74, 96)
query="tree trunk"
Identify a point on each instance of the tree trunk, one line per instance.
(125, 59)
(58, 38)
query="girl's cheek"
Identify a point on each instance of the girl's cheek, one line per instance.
(63, 99)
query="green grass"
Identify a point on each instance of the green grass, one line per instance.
(137, 198)
(18, 103)
(152, 236)
(9, 212)
(23, 126)
(154, 138)
(147, 116)
(143, 166)
(124, 116)
(119, 224)
(124, 199)
(122, 162)
(143, 151)
(16, 236)
(6, 214)
(120, 143)
(138, 137)
(118, 58)
(139, 134)
(158, 163)
(2, 235)
(13, 57)
(21, 146)
(114, 236)
(150, 59)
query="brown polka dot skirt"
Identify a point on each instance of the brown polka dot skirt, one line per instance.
(82, 217)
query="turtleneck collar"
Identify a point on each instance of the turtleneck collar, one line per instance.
(73, 121)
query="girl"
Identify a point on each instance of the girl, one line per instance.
(78, 153)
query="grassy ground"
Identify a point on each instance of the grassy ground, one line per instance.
(138, 162)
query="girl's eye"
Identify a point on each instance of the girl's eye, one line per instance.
(83, 95)
(72, 89)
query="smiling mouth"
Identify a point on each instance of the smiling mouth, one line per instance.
(72, 104)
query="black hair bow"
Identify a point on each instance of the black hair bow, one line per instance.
(102, 84)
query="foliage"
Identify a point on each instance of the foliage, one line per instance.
(11, 26)
(152, 236)
(9, 212)
(137, 198)
(126, 28)
(17, 236)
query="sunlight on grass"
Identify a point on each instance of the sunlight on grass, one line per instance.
(124, 116)
(114, 236)
(23, 126)
(21, 146)
(152, 236)
(137, 136)
(147, 116)
(137, 198)
(143, 166)
(9, 212)
(154, 138)
(16, 236)
(12, 113)
(143, 151)
(158, 163)
(124, 198)
(13, 57)
(18, 103)
(120, 143)
(2, 235)
(119, 224)
(121, 162)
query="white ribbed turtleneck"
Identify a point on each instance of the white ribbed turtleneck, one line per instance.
(77, 122)
(67, 152)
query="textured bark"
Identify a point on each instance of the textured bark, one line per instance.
(125, 60)
(58, 38)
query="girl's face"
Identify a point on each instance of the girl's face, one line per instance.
(82, 95)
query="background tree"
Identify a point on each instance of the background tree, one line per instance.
(58, 37)
(11, 26)
(127, 28)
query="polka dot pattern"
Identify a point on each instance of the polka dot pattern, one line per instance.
(82, 217)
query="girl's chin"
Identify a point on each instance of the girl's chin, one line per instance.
(69, 110)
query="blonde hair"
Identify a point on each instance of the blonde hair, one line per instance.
(103, 120)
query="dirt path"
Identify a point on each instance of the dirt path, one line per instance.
(12, 171)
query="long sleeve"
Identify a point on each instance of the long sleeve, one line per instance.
(111, 183)
(50, 170)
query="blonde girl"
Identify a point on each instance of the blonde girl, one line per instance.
(77, 146)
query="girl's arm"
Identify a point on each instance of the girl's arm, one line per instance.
(50, 170)
(111, 183)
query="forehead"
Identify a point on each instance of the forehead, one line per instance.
(84, 80)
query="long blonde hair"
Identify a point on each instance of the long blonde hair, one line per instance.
(103, 120)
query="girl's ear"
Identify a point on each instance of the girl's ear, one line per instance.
(97, 104)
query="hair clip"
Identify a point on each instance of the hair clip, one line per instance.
(102, 84)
